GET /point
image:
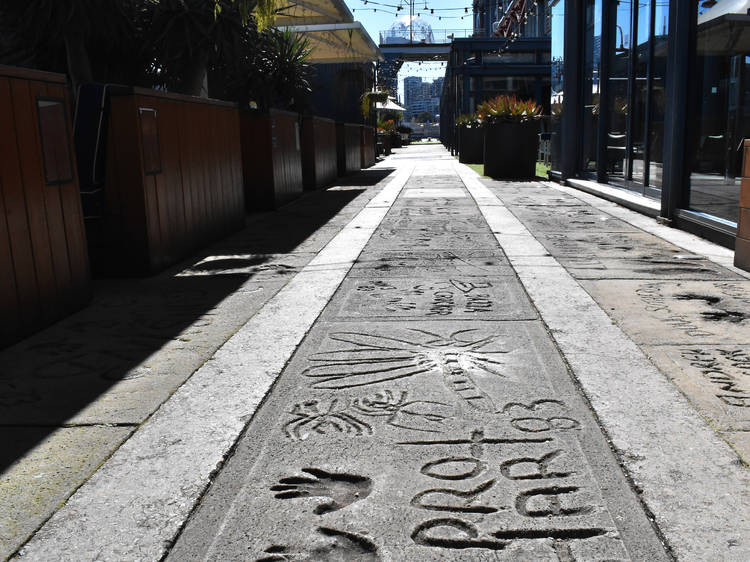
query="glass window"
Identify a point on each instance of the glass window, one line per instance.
(722, 116)
(658, 98)
(618, 102)
(592, 45)
(557, 24)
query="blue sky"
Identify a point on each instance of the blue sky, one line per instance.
(379, 15)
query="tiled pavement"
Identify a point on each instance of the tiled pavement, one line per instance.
(467, 379)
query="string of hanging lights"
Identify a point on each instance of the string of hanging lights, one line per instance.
(395, 9)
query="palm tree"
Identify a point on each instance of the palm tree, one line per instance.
(57, 35)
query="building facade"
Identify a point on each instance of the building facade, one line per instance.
(422, 96)
(653, 97)
(508, 54)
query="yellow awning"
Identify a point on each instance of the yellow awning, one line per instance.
(330, 27)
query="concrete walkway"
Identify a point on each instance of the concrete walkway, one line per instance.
(450, 369)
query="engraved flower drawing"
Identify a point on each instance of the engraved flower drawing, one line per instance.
(462, 358)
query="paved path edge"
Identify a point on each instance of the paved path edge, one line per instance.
(692, 482)
(134, 506)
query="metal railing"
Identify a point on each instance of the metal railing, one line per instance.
(421, 36)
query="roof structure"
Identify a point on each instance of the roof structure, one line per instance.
(330, 27)
(390, 105)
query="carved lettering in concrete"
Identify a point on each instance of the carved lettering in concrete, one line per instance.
(728, 371)
(554, 500)
(461, 298)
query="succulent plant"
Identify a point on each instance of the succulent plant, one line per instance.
(508, 108)
(468, 120)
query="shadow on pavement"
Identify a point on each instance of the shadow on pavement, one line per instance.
(80, 370)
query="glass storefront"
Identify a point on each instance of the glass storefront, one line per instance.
(636, 54)
(557, 26)
(625, 117)
(722, 111)
(592, 55)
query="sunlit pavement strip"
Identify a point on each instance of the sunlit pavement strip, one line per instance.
(132, 508)
(688, 477)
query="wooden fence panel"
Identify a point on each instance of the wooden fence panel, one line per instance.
(367, 146)
(171, 179)
(271, 158)
(319, 164)
(43, 259)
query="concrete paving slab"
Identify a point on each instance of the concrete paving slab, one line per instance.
(35, 486)
(715, 378)
(740, 442)
(404, 239)
(620, 245)
(433, 193)
(93, 369)
(543, 196)
(404, 463)
(563, 219)
(678, 266)
(441, 263)
(434, 202)
(694, 485)
(289, 239)
(400, 212)
(677, 312)
(459, 298)
(471, 221)
(690, 242)
(258, 266)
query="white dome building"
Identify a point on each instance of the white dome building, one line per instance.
(399, 32)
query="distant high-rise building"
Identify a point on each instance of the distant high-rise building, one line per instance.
(421, 96)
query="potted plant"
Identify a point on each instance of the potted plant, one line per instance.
(470, 139)
(511, 142)
(385, 131)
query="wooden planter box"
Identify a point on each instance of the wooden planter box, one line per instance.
(510, 150)
(173, 182)
(319, 165)
(742, 243)
(44, 270)
(271, 158)
(471, 145)
(348, 148)
(367, 146)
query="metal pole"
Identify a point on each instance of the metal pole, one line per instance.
(411, 21)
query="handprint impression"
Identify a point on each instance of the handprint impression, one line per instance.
(342, 489)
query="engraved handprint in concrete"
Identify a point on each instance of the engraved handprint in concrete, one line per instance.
(332, 546)
(340, 488)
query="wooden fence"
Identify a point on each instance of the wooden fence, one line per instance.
(173, 183)
(319, 164)
(348, 141)
(44, 272)
(367, 146)
(271, 158)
